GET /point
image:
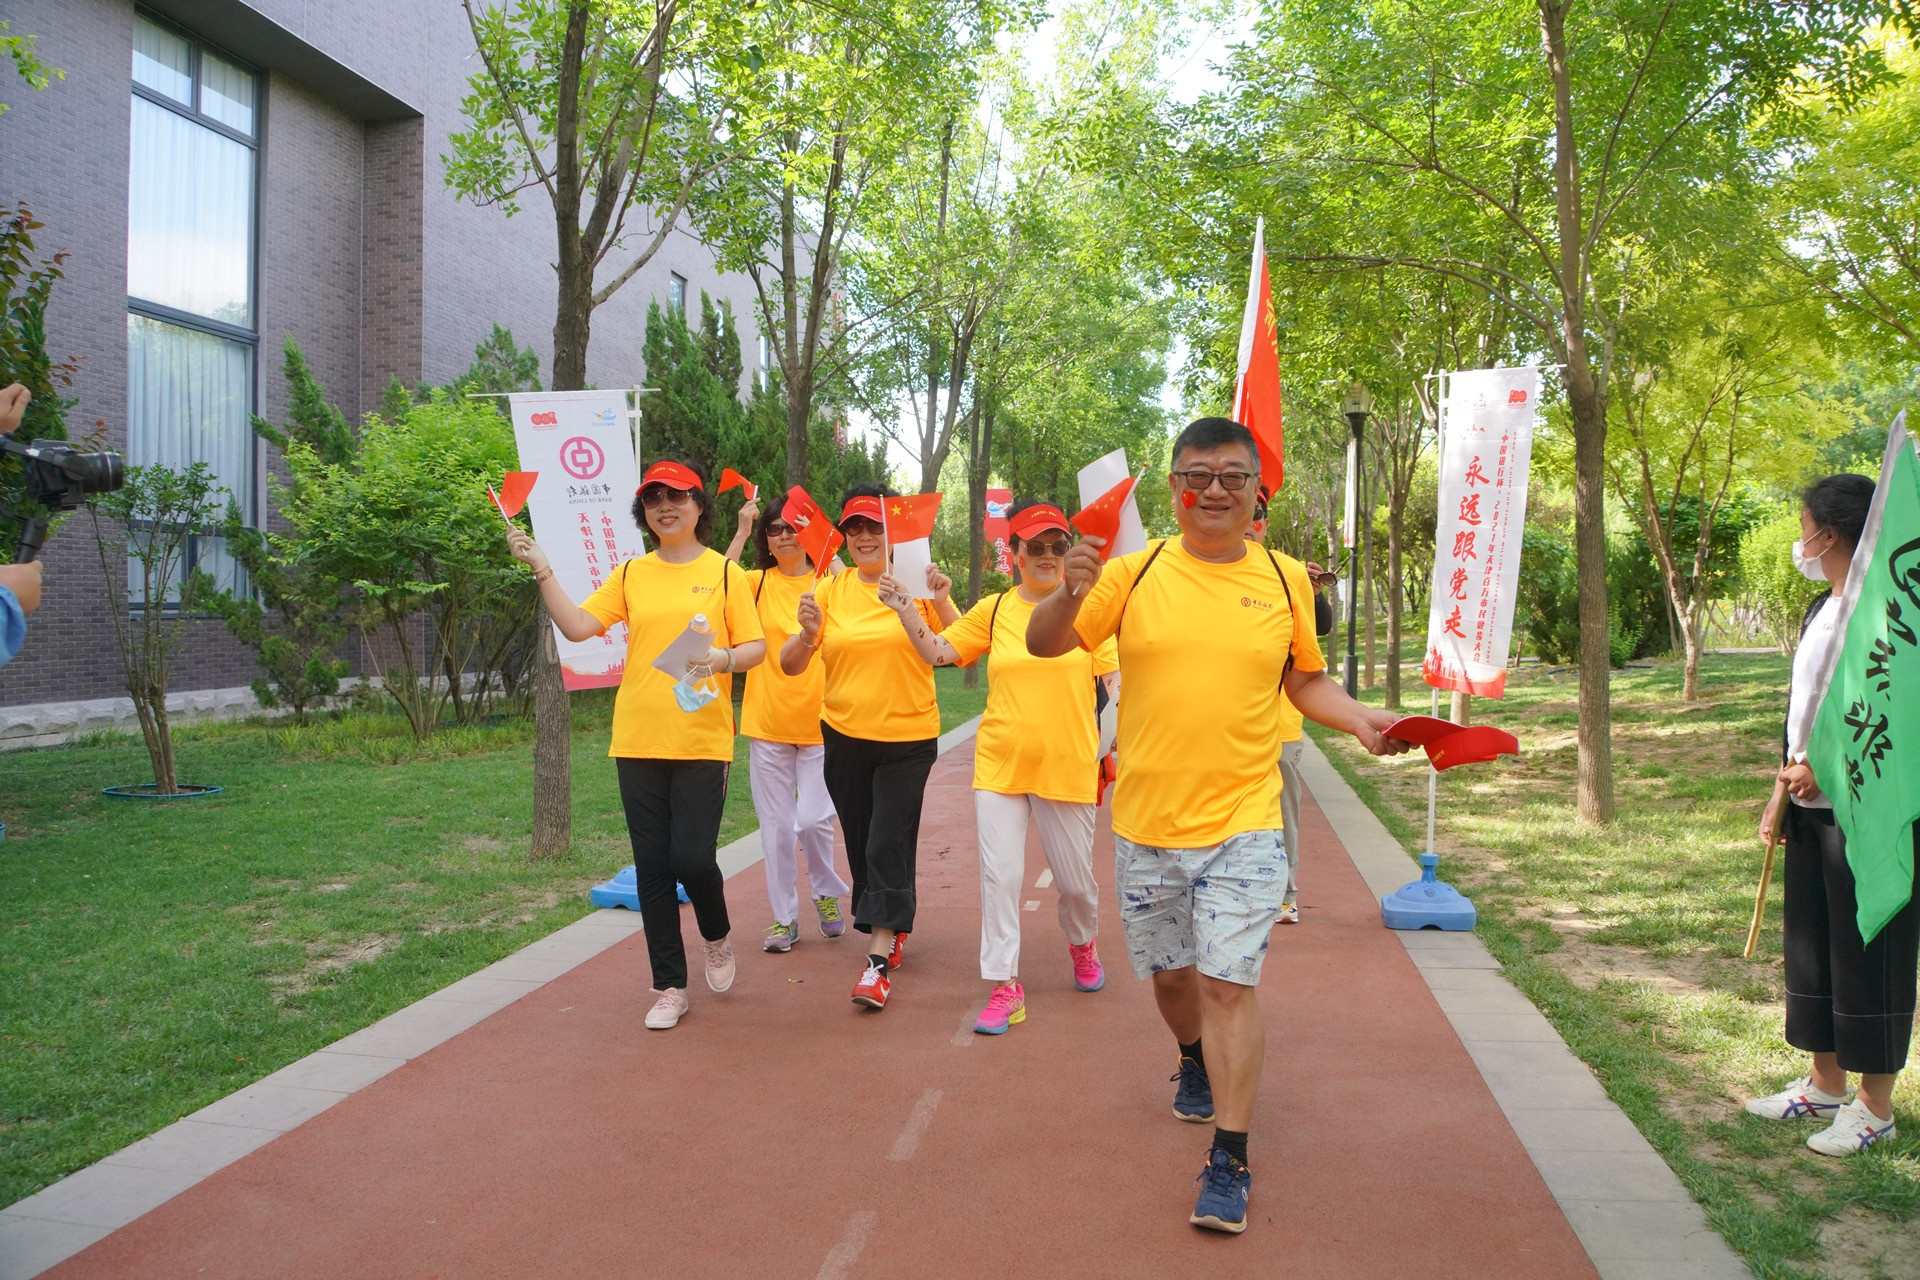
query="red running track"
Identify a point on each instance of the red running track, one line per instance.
(780, 1131)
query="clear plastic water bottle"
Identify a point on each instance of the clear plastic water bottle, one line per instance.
(689, 695)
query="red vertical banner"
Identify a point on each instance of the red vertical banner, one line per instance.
(996, 531)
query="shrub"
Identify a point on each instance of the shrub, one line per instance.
(26, 287)
(1774, 587)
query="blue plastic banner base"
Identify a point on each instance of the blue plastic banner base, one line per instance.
(1427, 903)
(621, 891)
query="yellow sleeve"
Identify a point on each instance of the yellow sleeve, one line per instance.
(609, 602)
(971, 633)
(932, 615)
(1106, 658)
(1099, 617)
(1306, 645)
(743, 616)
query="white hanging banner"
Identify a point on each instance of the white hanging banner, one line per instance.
(1487, 418)
(582, 508)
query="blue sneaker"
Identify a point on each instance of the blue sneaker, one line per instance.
(1224, 1185)
(1193, 1099)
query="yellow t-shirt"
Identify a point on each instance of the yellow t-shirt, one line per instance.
(1203, 647)
(1038, 734)
(779, 707)
(657, 600)
(1292, 723)
(878, 686)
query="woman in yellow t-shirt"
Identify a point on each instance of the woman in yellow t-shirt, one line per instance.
(1036, 757)
(672, 746)
(879, 723)
(780, 718)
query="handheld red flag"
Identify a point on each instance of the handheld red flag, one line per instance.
(731, 479)
(912, 516)
(811, 527)
(1448, 744)
(1101, 517)
(1256, 392)
(513, 492)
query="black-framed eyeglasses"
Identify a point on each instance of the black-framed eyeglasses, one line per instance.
(860, 526)
(1048, 547)
(660, 494)
(1200, 479)
(778, 529)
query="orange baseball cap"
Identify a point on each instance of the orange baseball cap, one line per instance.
(864, 507)
(674, 475)
(1038, 518)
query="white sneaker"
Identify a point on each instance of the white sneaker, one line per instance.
(720, 964)
(1798, 1101)
(1289, 913)
(667, 1010)
(1854, 1129)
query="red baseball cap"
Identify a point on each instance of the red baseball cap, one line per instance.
(674, 475)
(864, 507)
(1036, 519)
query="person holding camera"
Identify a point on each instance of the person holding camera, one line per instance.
(19, 583)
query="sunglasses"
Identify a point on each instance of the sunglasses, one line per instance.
(779, 529)
(1046, 547)
(660, 495)
(860, 527)
(1200, 480)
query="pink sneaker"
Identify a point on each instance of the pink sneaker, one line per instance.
(1006, 1006)
(1087, 973)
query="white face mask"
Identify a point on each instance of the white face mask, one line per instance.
(1809, 566)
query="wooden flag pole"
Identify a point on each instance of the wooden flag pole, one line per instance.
(1766, 872)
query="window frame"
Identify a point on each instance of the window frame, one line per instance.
(679, 304)
(197, 46)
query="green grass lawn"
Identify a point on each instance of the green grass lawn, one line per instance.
(161, 955)
(1629, 938)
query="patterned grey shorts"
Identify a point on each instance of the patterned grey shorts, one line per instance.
(1210, 908)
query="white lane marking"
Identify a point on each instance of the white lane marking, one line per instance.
(843, 1255)
(965, 1035)
(917, 1125)
(1046, 878)
(1032, 904)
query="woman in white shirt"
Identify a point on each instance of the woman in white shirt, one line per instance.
(1849, 1005)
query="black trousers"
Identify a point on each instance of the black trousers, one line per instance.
(1843, 998)
(673, 818)
(877, 788)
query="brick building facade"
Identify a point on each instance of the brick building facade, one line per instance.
(356, 249)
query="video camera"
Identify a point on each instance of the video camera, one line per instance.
(59, 477)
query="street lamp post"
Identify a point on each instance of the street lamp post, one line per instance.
(1357, 406)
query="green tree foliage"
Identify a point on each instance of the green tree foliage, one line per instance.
(26, 289)
(26, 61)
(500, 366)
(1773, 586)
(149, 524)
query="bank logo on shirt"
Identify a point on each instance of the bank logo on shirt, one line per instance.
(1248, 602)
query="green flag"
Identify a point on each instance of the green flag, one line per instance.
(1865, 742)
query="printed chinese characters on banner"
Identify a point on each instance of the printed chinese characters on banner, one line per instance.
(580, 442)
(994, 528)
(1486, 446)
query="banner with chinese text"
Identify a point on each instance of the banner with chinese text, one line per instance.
(995, 528)
(582, 509)
(1486, 445)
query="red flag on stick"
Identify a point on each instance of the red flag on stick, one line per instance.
(514, 490)
(912, 516)
(1101, 517)
(731, 479)
(1256, 393)
(812, 527)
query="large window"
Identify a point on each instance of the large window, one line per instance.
(192, 333)
(677, 293)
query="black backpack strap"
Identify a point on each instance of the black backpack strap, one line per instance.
(759, 586)
(1152, 555)
(1293, 611)
(993, 619)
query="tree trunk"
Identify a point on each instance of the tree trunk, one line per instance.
(552, 748)
(1692, 635)
(799, 382)
(1395, 602)
(1586, 399)
(1460, 710)
(978, 426)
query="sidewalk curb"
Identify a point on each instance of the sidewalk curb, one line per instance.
(1631, 1214)
(59, 1221)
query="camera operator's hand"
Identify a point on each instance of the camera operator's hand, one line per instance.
(24, 581)
(13, 407)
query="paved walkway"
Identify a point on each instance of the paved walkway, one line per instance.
(1413, 1118)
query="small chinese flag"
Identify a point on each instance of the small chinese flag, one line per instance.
(1256, 391)
(912, 516)
(731, 479)
(812, 527)
(513, 492)
(1101, 517)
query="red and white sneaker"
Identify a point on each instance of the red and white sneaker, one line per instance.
(898, 955)
(873, 988)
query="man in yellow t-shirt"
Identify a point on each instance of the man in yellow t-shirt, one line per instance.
(1206, 634)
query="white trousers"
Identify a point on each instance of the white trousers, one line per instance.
(1290, 754)
(790, 798)
(1066, 837)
